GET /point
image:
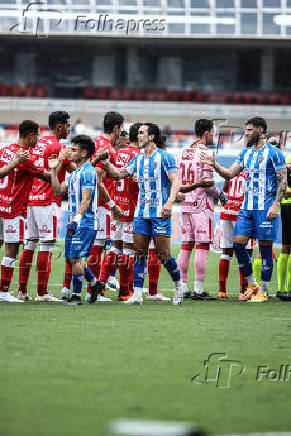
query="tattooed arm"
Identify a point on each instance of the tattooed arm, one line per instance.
(281, 188)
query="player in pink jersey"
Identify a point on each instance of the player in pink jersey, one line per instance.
(43, 209)
(197, 211)
(14, 193)
(125, 196)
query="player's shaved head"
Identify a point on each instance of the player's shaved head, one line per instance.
(26, 127)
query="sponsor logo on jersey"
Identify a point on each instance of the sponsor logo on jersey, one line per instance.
(44, 229)
(10, 229)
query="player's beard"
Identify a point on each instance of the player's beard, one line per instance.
(255, 138)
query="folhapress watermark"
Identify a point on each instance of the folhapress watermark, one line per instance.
(40, 20)
(222, 372)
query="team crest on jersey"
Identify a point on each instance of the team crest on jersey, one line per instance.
(7, 156)
(155, 165)
(188, 155)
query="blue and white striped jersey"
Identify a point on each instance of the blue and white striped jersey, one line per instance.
(153, 182)
(261, 180)
(83, 179)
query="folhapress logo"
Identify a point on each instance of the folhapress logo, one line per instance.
(219, 370)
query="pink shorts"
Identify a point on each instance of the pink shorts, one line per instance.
(197, 227)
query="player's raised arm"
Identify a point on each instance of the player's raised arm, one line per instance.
(113, 171)
(57, 187)
(226, 173)
(20, 157)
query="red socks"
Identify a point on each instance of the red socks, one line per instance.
(94, 261)
(243, 282)
(223, 271)
(24, 269)
(109, 264)
(154, 268)
(43, 271)
(6, 277)
(125, 273)
(67, 276)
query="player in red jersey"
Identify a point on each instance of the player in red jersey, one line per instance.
(125, 196)
(14, 193)
(19, 158)
(43, 210)
(112, 124)
(235, 189)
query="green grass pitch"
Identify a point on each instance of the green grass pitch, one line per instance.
(72, 370)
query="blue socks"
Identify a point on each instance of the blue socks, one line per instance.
(77, 283)
(172, 268)
(244, 260)
(139, 269)
(267, 262)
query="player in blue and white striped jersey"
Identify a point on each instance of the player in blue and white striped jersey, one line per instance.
(266, 181)
(82, 188)
(156, 174)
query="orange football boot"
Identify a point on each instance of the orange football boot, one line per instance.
(251, 290)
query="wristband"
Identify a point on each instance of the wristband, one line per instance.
(78, 218)
(111, 204)
(105, 161)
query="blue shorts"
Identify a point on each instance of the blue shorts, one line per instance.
(79, 244)
(152, 226)
(254, 223)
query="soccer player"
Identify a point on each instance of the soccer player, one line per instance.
(157, 179)
(43, 210)
(82, 190)
(284, 261)
(198, 208)
(19, 158)
(266, 181)
(235, 189)
(14, 193)
(125, 196)
(154, 264)
(112, 125)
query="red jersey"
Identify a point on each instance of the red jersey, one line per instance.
(102, 142)
(16, 186)
(42, 192)
(236, 190)
(126, 190)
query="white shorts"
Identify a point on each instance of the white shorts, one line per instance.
(122, 231)
(227, 235)
(12, 230)
(42, 222)
(103, 226)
